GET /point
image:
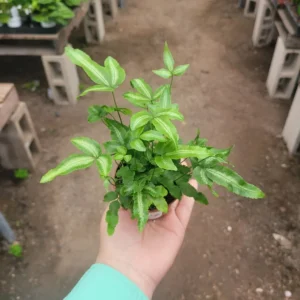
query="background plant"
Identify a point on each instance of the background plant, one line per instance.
(147, 151)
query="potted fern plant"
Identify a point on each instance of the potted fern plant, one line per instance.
(147, 151)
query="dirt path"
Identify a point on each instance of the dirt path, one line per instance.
(224, 95)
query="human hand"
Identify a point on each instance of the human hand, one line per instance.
(145, 257)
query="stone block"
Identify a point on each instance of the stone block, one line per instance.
(283, 71)
(62, 78)
(19, 144)
(9, 100)
(291, 131)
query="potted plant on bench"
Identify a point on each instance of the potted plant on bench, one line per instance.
(147, 150)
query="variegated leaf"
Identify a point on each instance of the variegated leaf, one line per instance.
(118, 130)
(87, 146)
(97, 73)
(117, 74)
(233, 182)
(158, 92)
(161, 204)
(97, 88)
(200, 175)
(137, 99)
(72, 163)
(142, 87)
(112, 217)
(140, 210)
(104, 164)
(184, 151)
(153, 135)
(165, 163)
(139, 119)
(163, 73)
(165, 100)
(138, 145)
(168, 58)
(180, 70)
(166, 127)
(172, 113)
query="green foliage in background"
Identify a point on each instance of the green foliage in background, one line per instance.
(15, 250)
(147, 150)
(21, 173)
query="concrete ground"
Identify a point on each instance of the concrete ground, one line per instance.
(229, 251)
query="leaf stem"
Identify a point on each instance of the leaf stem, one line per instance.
(113, 94)
(112, 116)
(171, 82)
(182, 176)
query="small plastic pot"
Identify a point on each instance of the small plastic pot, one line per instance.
(156, 214)
(48, 24)
(15, 20)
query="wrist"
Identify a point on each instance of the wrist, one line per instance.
(145, 283)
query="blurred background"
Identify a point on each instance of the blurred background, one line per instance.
(240, 89)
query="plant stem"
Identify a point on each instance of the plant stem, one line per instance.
(171, 83)
(182, 176)
(112, 116)
(117, 107)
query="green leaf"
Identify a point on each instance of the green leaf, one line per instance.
(87, 146)
(139, 119)
(172, 113)
(127, 158)
(118, 156)
(223, 153)
(158, 92)
(161, 204)
(185, 151)
(168, 58)
(190, 191)
(137, 99)
(138, 145)
(72, 163)
(104, 164)
(117, 74)
(122, 150)
(118, 130)
(165, 163)
(180, 70)
(142, 87)
(157, 191)
(97, 88)
(124, 111)
(111, 147)
(166, 127)
(200, 175)
(163, 73)
(126, 174)
(140, 210)
(173, 189)
(233, 182)
(165, 100)
(153, 135)
(97, 73)
(164, 147)
(110, 196)
(21, 173)
(112, 217)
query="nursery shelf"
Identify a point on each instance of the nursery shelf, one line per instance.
(26, 43)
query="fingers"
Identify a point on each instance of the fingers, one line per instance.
(185, 206)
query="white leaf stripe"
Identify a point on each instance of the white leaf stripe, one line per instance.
(171, 115)
(159, 91)
(163, 73)
(152, 135)
(113, 70)
(96, 88)
(183, 153)
(94, 68)
(250, 190)
(139, 119)
(166, 128)
(179, 70)
(140, 210)
(87, 145)
(116, 131)
(168, 58)
(136, 96)
(165, 163)
(104, 164)
(139, 84)
(165, 100)
(70, 164)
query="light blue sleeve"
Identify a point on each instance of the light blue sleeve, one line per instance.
(102, 282)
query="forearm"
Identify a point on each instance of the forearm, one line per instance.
(104, 282)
